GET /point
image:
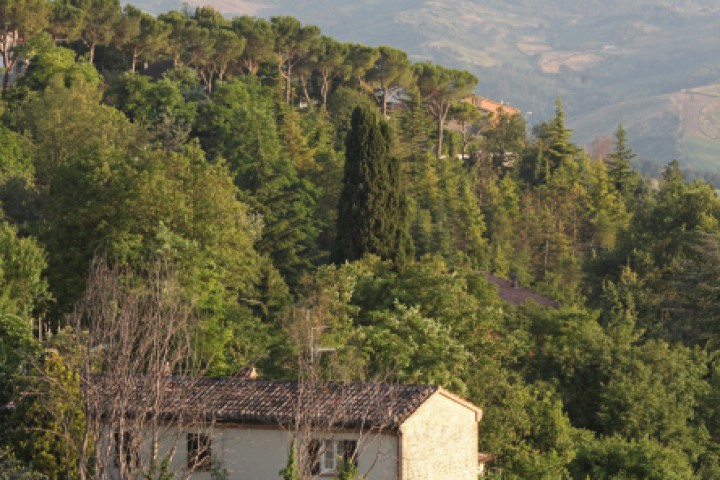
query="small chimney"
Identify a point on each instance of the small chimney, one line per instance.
(248, 373)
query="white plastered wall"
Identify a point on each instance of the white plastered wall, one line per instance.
(260, 453)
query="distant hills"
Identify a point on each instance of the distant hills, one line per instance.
(633, 61)
(683, 125)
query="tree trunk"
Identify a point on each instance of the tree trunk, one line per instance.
(441, 129)
(135, 56)
(285, 75)
(251, 67)
(384, 100)
(288, 85)
(207, 78)
(325, 89)
(306, 93)
(6, 60)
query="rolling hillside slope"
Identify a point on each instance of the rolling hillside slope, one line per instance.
(610, 60)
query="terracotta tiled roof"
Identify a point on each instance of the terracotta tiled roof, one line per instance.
(271, 402)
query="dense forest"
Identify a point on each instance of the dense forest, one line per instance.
(282, 181)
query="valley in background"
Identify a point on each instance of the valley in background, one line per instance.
(631, 62)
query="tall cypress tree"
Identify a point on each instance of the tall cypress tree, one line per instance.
(372, 209)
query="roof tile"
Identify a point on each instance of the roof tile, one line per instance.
(272, 402)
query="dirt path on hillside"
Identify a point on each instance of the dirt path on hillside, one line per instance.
(517, 295)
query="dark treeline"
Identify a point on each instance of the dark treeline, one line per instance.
(284, 176)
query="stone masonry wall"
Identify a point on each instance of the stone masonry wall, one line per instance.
(440, 440)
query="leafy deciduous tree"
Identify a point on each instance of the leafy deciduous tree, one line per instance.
(259, 41)
(392, 72)
(19, 20)
(293, 41)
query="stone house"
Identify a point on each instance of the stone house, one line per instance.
(404, 432)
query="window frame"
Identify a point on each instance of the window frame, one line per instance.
(328, 446)
(344, 448)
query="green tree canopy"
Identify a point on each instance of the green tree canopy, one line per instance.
(24, 291)
(19, 19)
(238, 125)
(391, 72)
(441, 88)
(259, 40)
(619, 165)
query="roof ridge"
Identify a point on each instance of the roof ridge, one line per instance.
(288, 381)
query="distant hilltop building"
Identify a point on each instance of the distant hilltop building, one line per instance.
(491, 106)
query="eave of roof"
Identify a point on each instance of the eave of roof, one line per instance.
(469, 405)
(284, 403)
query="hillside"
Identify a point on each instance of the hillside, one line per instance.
(684, 125)
(527, 52)
(208, 222)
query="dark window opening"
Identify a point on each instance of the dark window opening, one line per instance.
(199, 454)
(124, 450)
(313, 455)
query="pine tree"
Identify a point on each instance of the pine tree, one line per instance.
(552, 149)
(372, 207)
(619, 161)
(559, 147)
(239, 125)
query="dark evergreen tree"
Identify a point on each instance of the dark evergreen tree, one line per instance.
(372, 209)
(618, 162)
(238, 124)
(559, 147)
(553, 148)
